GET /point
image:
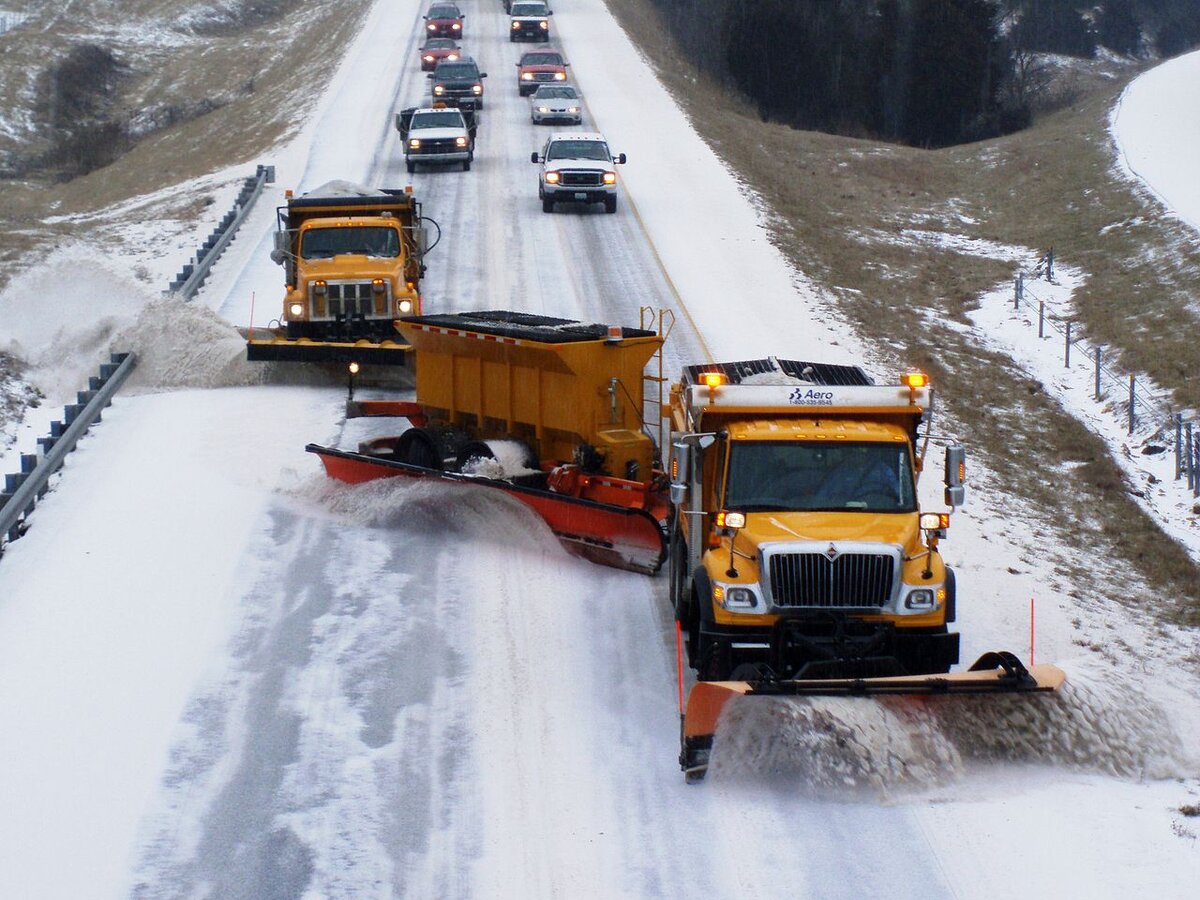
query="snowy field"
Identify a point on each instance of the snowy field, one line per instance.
(227, 677)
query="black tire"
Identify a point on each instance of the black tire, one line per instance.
(547, 205)
(466, 165)
(434, 447)
(410, 165)
(610, 204)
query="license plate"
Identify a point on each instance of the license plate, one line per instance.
(580, 195)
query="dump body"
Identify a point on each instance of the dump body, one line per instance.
(559, 386)
(825, 571)
(352, 260)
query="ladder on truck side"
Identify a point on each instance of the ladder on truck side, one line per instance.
(661, 321)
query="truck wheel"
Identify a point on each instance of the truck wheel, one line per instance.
(434, 447)
(547, 205)
(610, 204)
(410, 165)
(466, 165)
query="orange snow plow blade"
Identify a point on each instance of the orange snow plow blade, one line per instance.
(998, 672)
(618, 536)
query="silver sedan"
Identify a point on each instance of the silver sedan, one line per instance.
(558, 104)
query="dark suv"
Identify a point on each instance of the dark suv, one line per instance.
(458, 83)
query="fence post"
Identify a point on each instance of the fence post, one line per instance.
(1018, 290)
(1050, 264)
(1191, 470)
(1067, 354)
(1041, 317)
(1099, 353)
(1132, 401)
(1178, 444)
(1196, 467)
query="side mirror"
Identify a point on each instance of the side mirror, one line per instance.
(280, 254)
(483, 74)
(956, 476)
(430, 75)
(620, 160)
(533, 157)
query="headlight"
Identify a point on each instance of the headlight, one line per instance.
(610, 177)
(439, 89)
(456, 26)
(735, 597)
(922, 598)
(477, 89)
(404, 306)
(516, 25)
(572, 109)
(544, 25)
(296, 309)
(452, 56)
(414, 143)
(460, 141)
(431, 27)
(544, 109)
(428, 58)
(551, 178)
(560, 76)
(527, 76)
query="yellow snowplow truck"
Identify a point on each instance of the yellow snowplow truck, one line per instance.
(798, 548)
(353, 260)
(800, 562)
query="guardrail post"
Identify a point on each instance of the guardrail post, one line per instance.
(1067, 356)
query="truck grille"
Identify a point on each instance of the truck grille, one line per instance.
(344, 299)
(581, 179)
(437, 145)
(813, 580)
(543, 76)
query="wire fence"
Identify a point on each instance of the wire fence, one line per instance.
(1146, 411)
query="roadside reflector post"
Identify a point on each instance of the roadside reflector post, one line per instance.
(1067, 356)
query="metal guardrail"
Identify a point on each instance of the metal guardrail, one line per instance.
(191, 278)
(22, 491)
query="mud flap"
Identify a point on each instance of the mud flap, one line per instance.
(616, 536)
(998, 672)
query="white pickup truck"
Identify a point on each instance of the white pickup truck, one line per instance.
(437, 135)
(577, 167)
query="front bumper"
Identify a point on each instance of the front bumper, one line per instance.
(452, 156)
(529, 31)
(557, 118)
(579, 193)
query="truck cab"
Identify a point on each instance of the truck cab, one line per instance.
(798, 547)
(352, 259)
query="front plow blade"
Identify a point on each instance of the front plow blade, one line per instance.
(616, 536)
(999, 672)
(279, 349)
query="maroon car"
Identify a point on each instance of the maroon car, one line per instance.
(540, 67)
(436, 49)
(444, 20)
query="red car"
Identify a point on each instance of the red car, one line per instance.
(444, 20)
(540, 67)
(436, 49)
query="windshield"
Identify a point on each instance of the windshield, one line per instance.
(542, 59)
(579, 150)
(326, 243)
(444, 12)
(778, 475)
(529, 9)
(437, 120)
(461, 70)
(555, 93)
(441, 44)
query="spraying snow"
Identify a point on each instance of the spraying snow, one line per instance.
(833, 745)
